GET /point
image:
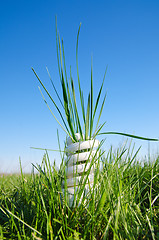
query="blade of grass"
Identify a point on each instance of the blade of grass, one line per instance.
(98, 130)
(128, 135)
(51, 99)
(151, 227)
(79, 84)
(75, 109)
(91, 103)
(57, 49)
(67, 132)
(54, 88)
(66, 107)
(46, 149)
(21, 221)
(87, 118)
(99, 95)
(100, 113)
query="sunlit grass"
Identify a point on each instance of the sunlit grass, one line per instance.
(123, 203)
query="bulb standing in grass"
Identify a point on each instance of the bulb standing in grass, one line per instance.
(88, 126)
(80, 164)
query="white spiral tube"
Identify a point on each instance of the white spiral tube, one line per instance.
(79, 157)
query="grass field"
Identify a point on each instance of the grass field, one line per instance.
(123, 203)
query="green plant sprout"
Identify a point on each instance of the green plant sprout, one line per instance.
(71, 121)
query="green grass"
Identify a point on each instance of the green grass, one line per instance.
(123, 204)
(70, 120)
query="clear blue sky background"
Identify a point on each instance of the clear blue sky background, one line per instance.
(122, 34)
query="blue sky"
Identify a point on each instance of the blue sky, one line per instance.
(121, 34)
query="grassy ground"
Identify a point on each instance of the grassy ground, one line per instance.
(123, 204)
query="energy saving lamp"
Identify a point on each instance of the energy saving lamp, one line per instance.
(79, 157)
